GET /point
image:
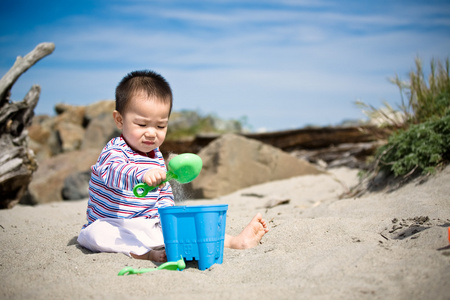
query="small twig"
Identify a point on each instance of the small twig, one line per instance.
(384, 236)
(411, 172)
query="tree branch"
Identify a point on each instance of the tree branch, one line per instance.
(21, 65)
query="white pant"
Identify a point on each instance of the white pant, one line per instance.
(137, 236)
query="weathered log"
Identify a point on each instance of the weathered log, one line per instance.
(21, 65)
(331, 145)
(17, 162)
(289, 140)
(16, 116)
(353, 155)
(314, 138)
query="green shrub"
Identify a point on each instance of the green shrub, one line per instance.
(419, 148)
(418, 141)
(421, 142)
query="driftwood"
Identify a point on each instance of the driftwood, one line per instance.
(352, 155)
(314, 138)
(17, 162)
(289, 140)
(21, 65)
(332, 145)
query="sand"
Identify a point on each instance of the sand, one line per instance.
(380, 246)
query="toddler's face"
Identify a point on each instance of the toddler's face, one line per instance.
(144, 122)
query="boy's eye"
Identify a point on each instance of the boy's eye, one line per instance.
(142, 125)
(161, 127)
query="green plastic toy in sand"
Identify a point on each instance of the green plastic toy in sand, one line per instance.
(183, 168)
(170, 265)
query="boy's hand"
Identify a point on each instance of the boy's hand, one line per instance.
(153, 177)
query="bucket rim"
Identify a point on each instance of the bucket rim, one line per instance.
(193, 208)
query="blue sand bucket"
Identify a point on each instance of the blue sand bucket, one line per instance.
(194, 232)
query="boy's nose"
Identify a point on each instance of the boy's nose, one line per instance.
(150, 132)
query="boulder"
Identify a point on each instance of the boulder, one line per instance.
(40, 129)
(76, 186)
(99, 108)
(48, 181)
(73, 128)
(233, 162)
(44, 140)
(71, 135)
(100, 130)
(69, 114)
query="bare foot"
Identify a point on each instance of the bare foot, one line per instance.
(250, 236)
(153, 255)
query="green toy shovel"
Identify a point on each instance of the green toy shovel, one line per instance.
(183, 168)
(170, 265)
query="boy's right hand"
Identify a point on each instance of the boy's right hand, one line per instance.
(154, 177)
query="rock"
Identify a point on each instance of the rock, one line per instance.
(233, 162)
(48, 181)
(76, 186)
(40, 128)
(74, 128)
(61, 108)
(44, 140)
(100, 130)
(96, 109)
(71, 135)
(69, 125)
(66, 146)
(69, 114)
(44, 151)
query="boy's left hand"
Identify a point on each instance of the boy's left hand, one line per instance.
(154, 177)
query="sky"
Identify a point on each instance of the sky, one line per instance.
(276, 64)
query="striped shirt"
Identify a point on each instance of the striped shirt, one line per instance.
(118, 169)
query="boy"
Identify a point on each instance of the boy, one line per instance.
(117, 220)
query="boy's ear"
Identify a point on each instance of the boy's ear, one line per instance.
(118, 119)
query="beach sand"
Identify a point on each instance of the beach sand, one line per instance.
(380, 246)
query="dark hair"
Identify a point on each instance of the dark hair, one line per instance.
(142, 81)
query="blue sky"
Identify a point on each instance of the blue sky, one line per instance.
(282, 64)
